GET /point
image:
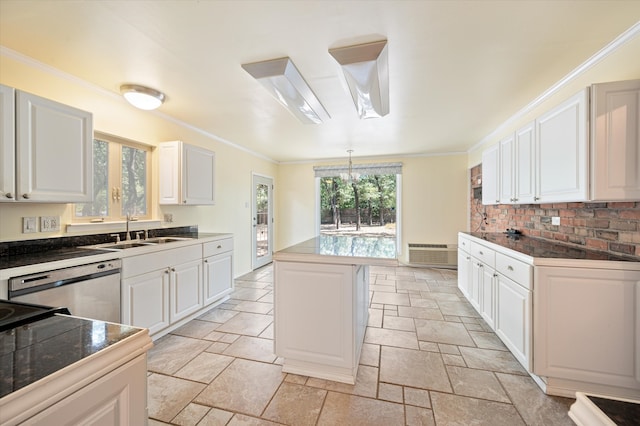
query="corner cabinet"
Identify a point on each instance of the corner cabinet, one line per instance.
(187, 174)
(51, 147)
(615, 141)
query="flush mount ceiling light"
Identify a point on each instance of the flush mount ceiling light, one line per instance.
(283, 80)
(142, 97)
(366, 69)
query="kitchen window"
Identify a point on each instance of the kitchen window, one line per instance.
(121, 181)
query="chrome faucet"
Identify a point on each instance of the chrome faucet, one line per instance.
(128, 236)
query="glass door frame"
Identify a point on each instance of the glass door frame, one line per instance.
(256, 260)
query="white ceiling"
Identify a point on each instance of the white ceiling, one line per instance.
(458, 69)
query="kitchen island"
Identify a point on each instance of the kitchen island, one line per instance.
(70, 370)
(321, 301)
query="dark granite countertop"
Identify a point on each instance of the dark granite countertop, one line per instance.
(539, 248)
(53, 255)
(31, 352)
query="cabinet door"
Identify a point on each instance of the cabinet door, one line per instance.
(561, 156)
(464, 272)
(475, 287)
(169, 158)
(513, 318)
(218, 277)
(488, 290)
(587, 326)
(490, 176)
(525, 177)
(615, 141)
(198, 174)
(185, 289)
(7, 144)
(54, 151)
(145, 300)
(507, 170)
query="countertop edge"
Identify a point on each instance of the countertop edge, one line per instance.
(19, 405)
(335, 260)
(556, 262)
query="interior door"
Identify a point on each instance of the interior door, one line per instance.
(262, 220)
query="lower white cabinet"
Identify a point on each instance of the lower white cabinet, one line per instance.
(218, 270)
(118, 398)
(146, 300)
(162, 287)
(464, 272)
(587, 328)
(513, 318)
(488, 295)
(185, 289)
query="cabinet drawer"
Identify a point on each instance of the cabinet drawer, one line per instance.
(136, 265)
(217, 247)
(484, 254)
(464, 243)
(514, 269)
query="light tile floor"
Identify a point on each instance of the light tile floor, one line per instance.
(428, 359)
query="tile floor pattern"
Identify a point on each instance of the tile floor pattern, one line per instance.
(428, 359)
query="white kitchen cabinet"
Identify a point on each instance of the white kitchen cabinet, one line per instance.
(161, 288)
(506, 169)
(185, 289)
(146, 300)
(464, 272)
(218, 270)
(615, 141)
(320, 318)
(186, 175)
(524, 165)
(491, 175)
(53, 155)
(513, 318)
(488, 295)
(562, 151)
(118, 398)
(587, 329)
(475, 285)
(7, 144)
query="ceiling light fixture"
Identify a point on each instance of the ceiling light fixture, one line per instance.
(142, 97)
(350, 177)
(366, 69)
(285, 83)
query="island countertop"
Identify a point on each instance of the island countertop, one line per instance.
(342, 249)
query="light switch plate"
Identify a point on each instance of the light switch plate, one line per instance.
(555, 220)
(49, 223)
(29, 225)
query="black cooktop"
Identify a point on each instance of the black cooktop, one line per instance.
(15, 314)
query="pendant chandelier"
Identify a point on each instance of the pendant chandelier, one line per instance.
(350, 176)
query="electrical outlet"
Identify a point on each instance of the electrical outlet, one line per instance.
(49, 223)
(168, 217)
(555, 220)
(29, 225)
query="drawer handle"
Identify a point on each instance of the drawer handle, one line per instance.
(468, 258)
(510, 268)
(481, 252)
(219, 247)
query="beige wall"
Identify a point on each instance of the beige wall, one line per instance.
(113, 115)
(433, 206)
(622, 64)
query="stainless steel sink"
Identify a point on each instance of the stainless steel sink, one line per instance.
(121, 246)
(163, 240)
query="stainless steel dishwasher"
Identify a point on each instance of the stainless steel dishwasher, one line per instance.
(88, 291)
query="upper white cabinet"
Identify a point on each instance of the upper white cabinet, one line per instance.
(585, 149)
(491, 176)
(561, 151)
(187, 174)
(53, 152)
(7, 144)
(615, 141)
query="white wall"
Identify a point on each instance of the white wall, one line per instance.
(113, 115)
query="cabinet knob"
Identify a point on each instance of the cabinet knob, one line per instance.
(536, 198)
(206, 261)
(173, 269)
(8, 195)
(25, 196)
(468, 258)
(495, 275)
(498, 201)
(184, 201)
(510, 268)
(481, 252)
(219, 247)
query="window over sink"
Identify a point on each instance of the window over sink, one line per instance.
(122, 181)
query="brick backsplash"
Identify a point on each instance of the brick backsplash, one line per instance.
(611, 227)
